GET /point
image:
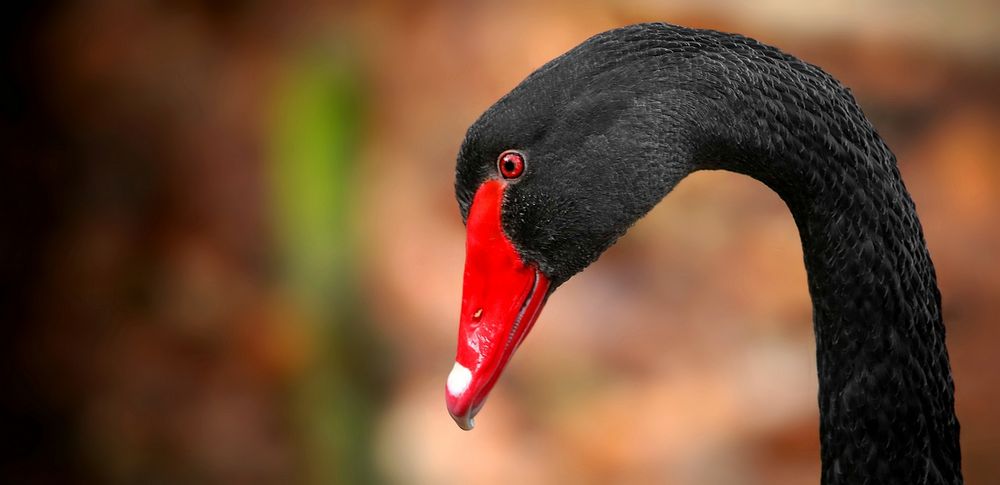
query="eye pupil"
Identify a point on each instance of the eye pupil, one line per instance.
(511, 164)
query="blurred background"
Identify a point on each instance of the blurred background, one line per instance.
(231, 251)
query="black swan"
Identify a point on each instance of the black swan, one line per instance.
(558, 169)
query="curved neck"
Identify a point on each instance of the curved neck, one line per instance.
(886, 393)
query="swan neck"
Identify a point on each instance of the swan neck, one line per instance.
(885, 387)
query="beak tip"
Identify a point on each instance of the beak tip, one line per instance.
(464, 422)
(458, 384)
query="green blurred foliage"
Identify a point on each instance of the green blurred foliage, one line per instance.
(318, 123)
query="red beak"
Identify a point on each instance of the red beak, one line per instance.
(501, 299)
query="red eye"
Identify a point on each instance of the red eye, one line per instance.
(511, 164)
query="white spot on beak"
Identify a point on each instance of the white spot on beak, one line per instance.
(458, 379)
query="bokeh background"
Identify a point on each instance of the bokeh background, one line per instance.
(231, 251)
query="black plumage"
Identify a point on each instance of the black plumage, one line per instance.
(610, 127)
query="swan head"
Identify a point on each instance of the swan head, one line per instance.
(547, 179)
